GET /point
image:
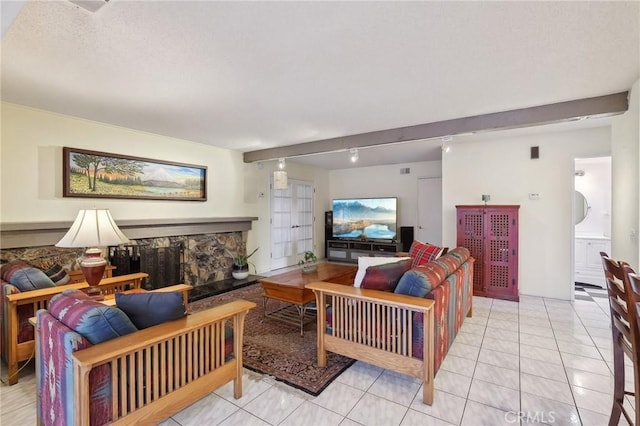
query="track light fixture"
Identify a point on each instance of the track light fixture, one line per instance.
(281, 164)
(354, 155)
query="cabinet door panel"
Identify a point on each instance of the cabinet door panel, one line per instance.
(470, 235)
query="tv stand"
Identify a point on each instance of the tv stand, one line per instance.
(351, 250)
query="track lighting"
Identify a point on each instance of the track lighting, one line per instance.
(354, 155)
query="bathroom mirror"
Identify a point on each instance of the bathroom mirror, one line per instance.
(582, 207)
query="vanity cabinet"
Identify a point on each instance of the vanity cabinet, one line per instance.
(491, 235)
(588, 263)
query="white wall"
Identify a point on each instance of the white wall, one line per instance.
(384, 181)
(500, 166)
(595, 185)
(31, 176)
(625, 152)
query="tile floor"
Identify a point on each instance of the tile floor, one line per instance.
(546, 359)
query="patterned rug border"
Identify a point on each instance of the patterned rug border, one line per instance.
(276, 349)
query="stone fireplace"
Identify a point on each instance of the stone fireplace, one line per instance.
(192, 251)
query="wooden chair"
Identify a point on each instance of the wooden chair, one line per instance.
(625, 333)
(632, 280)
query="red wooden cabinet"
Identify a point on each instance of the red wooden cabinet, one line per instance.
(491, 235)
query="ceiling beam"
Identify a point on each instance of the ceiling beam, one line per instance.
(525, 117)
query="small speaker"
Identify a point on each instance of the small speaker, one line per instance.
(328, 231)
(535, 152)
(406, 237)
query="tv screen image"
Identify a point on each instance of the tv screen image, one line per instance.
(371, 218)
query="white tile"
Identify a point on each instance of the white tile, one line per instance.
(373, 410)
(275, 404)
(547, 355)
(549, 411)
(415, 418)
(497, 333)
(445, 406)
(453, 383)
(360, 375)
(497, 375)
(495, 396)
(546, 388)
(541, 342)
(243, 418)
(171, 422)
(25, 415)
(458, 365)
(503, 325)
(211, 409)
(339, 397)
(599, 332)
(535, 330)
(476, 414)
(585, 364)
(499, 359)
(307, 411)
(396, 389)
(501, 345)
(468, 327)
(503, 316)
(252, 386)
(585, 379)
(469, 339)
(349, 422)
(464, 351)
(591, 418)
(589, 351)
(580, 339)
(535, 321)
(592, 400)
(543, 369)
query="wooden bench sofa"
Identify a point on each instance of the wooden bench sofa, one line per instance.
(17, 307)
(399, 332)
(139, 378)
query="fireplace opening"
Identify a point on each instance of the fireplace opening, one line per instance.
(165, 265)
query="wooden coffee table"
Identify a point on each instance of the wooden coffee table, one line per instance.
(289, 287)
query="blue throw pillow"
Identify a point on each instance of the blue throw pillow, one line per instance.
(414, 283)
(30, 278)
(151, 308)
(91, 319)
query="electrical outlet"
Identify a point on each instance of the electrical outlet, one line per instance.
(534, 196)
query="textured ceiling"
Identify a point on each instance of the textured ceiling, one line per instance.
(254, 75)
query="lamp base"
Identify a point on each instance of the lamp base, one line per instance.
(93, 266)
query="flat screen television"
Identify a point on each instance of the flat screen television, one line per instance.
(371, 218)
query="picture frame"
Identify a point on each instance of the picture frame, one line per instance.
(95, 174)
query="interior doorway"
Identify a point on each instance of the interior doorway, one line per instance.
(429, 211)
(291, 223)
(592, 220)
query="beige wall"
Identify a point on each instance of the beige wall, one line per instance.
(625, 152)
(31, 184)
(500, 166)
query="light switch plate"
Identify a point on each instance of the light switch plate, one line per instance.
(534, 196)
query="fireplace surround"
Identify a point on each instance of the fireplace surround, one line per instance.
(207, 246)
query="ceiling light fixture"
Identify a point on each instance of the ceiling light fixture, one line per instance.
(280, 180)
(445, 148)
(354, 155)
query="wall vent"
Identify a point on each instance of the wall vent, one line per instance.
(90, 5)
(405, 171)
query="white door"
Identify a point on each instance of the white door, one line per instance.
(429, 211)
(291, 223)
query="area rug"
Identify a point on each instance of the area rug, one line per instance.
(276, 348)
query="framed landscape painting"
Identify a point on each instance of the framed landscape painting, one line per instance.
(93, 174)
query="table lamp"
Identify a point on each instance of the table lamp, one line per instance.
(93, 228)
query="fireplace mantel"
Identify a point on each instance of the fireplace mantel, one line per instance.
(35, 234)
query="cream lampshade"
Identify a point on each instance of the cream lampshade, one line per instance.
(93, 228)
